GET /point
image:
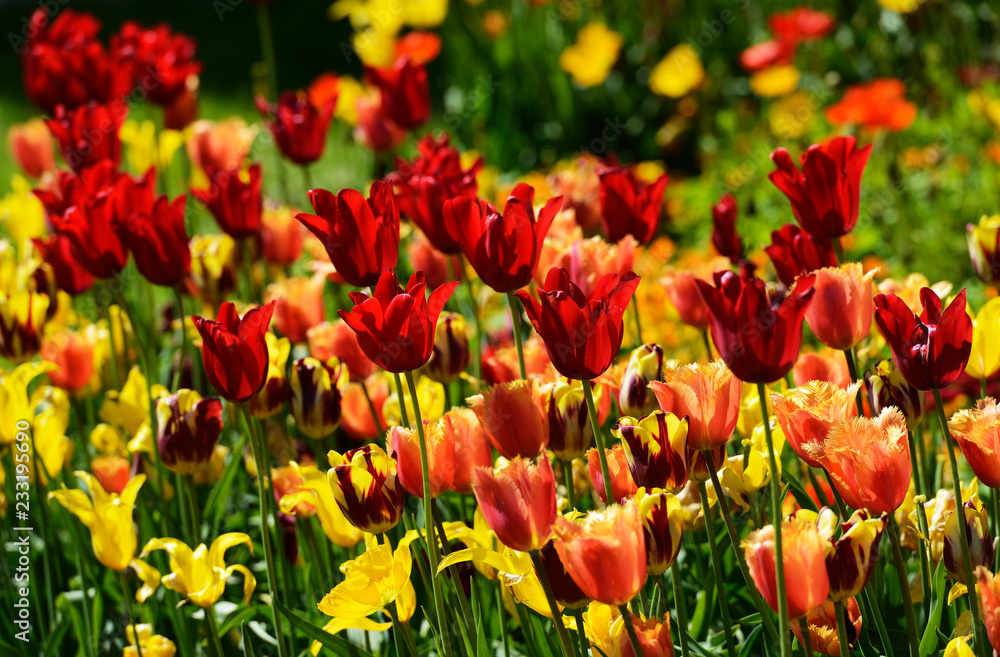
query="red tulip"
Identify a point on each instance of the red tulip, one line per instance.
(503, 249)
(758, 332)
(422, 187)
(518, 502)
(766, 54)
(90, 230)
(630, 206)
(236, 205)
(70, 188)
(57, 253)
(89, 133)
(622, 484)
(824, 195)
(299, 127)
(794, 252)
(582, 333)
(932, 349)
(234, 350)
(406, 95)
(395, 327)
(163, 60)
(725, 239)
(159, 242)
(360, 236)
(801, 24)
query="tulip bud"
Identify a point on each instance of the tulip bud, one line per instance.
(22, 317)
(316, 396)
(518, 501)
(404, 447)
(622, 485)
(366, 488)
(803, 551)
(823, 627)
(513, 416)
(977, 532)
(273, 395)
(32, 147)
(112, 471)
(655, 449)
(855, 553)
(450, 356)
(570, 430)
(644, 365)
(189, 428)
(662, 524)
(213, 266)
(984, 247)
(887, 387)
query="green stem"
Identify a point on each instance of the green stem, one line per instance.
(185, 348)
(127, 602)
(267, 49)
(115, 373)
(404, 416)
(516, 323)
(852, 370)
(776, 519)
(477, 361)
(630, 629)
(679, 608)
(727, 624)
(602, 456)
(265, 527)
(638, 323)
(307, 177)
(581, 631)
(557, 619)
(567, 471)
(904, 585)
(734, 538)
(213, 631)
(923, 544)
(432, 544)
(840, 615)
(371, 407)
(956, 483)
(806, 637)
(708, 345)
(397, 630)
(838, 249)
(90, 640)
(914, 463)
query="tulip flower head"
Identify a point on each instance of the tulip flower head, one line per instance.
(972, 519)
(237, 205)
(472, 448)
(851, 562)
(662, 525)
(406, 99)
(158, 240)
(654, 638)
(977, 432)
(570, 430)
(404, 447)
(930, 349)
(887, 387)
(725, 239)
(582, 332)
(274, 394)
(518, 501)
(629, 206)
(450, 356)
(200, 575)
(366, 488)
(152, 645)
(808, 413)
(316, 395)
(234, 350)
(840, 314)
(298, 305)
(565, 590)
(622, 485)
(299, 127)
(758, 331)
(605, 553)
(89, 133)
(988, 586)
(804, 552)
(56, 251)
(361, 236)
(707, 395)
(513, 417)
(656, 449)
(984, 248)
(984, 359)
(822, 623)
(22, 320)
(645, 364)
(189, 428)
(373, 581)
(312, 493)
(395, 327)
(794, 252)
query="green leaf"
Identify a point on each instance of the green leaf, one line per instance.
(335, 643)
(66, 606)
(482, 649)
(217, 498)
(752, 619)
(247, 641)
(54, 640)
(751, 638)
(797, 490)
(237, 617)
(929, 641)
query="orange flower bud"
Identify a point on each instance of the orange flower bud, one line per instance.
(842, 308)
(605, 554)
(622, 485)
(518, 501)
(709, 395)
(112, 472)
(472, 449)
(32, 147)
(513, 416)
(404, 447)
(654, 638)
(73, 353)
(803, 553)
(808, 413)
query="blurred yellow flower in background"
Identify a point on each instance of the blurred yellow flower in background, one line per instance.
(142, 148)
(590, 59)
(678, 73)
(775, 81)
(152, 645)
(791, 116)
(21, 213)
(901, 6)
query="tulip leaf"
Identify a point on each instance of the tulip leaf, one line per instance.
(335, 643)
(216, 499)
(247, 641)
(750, 640)
(929, 641)
(237, 617)
(482, 649)
(53, 641)
(797, 490)
(752, 619)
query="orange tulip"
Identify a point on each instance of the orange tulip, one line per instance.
(622, 485)
(869, 461)
(842, 308)
(513, 416)
(73, 353)
(472, 449)
(220, 145)
(825, 365)
(299, 306)
(518, 501)
(823, 627)
(989, 598)
(709, 395)
(807, 414)
(112, 472)
(329, 339)
(403, 446)
(654, 638)
(605, 554)
(287, 480)
(356, 416)
(682, 290)
(803, 556)
(282, 237)
(977, 432)
(32, 147)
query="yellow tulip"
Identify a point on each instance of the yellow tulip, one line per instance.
(603, 626)
(775, 81)
(129, 408)
(315, 490)
(373, 581)
(200, 575)
(153, 645)
(431, 396)
(678, 73)
(52, 448)
(107, 516)
(21, 213)
(901, 6)
(741, 478)
(14, 402)
(349, 89)
(144, 150)
(959, 647)
(590, 59)
(106, 439)
(984, 361)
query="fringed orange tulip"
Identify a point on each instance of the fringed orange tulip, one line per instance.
(841, 311)
(807, 414)
(989, 596)
(977, 432)
(622, 485)
(518, 501)
(654, 638)
(513, 416)
(804, 552)
(403, 446)
(823, 627)
(472, 449)
(605, 554)
(709, 395)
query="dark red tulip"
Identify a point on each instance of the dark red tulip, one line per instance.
(361, 236)
(582, 333)
(163, 60)
(189, 428)
(932, 349)
(299, 127)
(65, 64)
(235, 204)
(725, 239)
(395, 328)
(794, 252)
(630, 206)
(234, 350)
(503, 249)
(406, 95)
(757, 331)
(158, 240)
(76, 188)
(825, 193)
(422, 187)
(183, 111)
(56, 251)
(89, 133)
